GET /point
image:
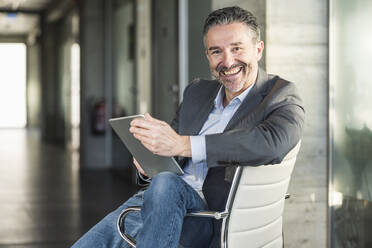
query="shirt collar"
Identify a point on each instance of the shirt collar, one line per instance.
(221, 94)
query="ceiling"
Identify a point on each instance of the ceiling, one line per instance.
(20, 17)
(30, 5)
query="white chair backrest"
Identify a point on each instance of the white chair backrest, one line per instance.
(256, 215)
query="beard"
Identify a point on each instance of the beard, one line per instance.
(234, 85)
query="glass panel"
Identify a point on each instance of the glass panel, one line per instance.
(351, 123)
(123, 56)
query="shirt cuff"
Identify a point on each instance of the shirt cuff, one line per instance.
(198, 149)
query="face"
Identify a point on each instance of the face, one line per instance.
(233, 56)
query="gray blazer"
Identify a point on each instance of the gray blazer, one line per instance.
(266, 126)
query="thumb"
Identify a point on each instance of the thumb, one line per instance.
(148, 117)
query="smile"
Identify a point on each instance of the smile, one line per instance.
(232, 71)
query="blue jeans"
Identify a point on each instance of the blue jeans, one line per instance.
(161, 221)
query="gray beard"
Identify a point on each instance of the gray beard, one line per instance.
(246, 70)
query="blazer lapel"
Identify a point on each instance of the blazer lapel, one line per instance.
(252, 100)
(202, 116)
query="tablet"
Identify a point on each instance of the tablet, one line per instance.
(151, 163)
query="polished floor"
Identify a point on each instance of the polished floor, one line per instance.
(45, 201)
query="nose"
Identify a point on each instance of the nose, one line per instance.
(227, 60)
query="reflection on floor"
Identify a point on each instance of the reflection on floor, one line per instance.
(44, 200)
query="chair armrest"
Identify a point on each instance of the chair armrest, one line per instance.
(121, 227)
(132, 242)
(209, 214)
(142, 180)
(215, 214)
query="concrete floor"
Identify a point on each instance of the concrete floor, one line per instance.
(44, 200)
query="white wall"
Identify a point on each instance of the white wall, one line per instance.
(297, 50)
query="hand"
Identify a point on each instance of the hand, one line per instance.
(138, 166)
(159, 138)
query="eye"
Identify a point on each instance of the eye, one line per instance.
(215, 52)
(236, 49)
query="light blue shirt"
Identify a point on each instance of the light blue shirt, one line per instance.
(196, 168)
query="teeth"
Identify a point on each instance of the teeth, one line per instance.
(232, 71)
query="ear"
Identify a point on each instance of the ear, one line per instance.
(259, 49)
(206, 53)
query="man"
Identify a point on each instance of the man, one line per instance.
(244, 117)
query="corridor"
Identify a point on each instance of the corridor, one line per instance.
(44, 200)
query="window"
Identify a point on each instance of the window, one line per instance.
(12, 85)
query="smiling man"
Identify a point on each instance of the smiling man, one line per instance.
(233, 51)
(244, 117)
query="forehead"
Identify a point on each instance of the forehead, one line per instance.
(227, 34)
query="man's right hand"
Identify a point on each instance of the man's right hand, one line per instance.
(138, 166)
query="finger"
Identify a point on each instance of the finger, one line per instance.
(140, 121)
(138, 166)
(137, 122)
(156, 140)
(151, 144)
(152, 119)
(148, 141)
(141, 171)
(141, 132)
(148, 146)
(146, 124)
(144, 139)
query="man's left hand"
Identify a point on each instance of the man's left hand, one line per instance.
(158, 137)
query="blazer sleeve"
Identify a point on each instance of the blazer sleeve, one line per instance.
(175, 122)
(267, 141)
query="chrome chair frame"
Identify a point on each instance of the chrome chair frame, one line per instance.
(206, 214)
(224, 215)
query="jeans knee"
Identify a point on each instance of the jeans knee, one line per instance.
(163, 185)
(165, 180)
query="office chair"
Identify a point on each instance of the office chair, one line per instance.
(254, 208)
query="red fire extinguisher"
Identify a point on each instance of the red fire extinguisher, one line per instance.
(99, 117)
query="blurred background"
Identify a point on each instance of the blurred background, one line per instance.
(67, 66)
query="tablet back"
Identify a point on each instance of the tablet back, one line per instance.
(151, 163)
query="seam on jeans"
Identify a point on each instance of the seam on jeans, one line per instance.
(172, 232)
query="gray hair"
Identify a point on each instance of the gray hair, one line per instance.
(230, 15)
